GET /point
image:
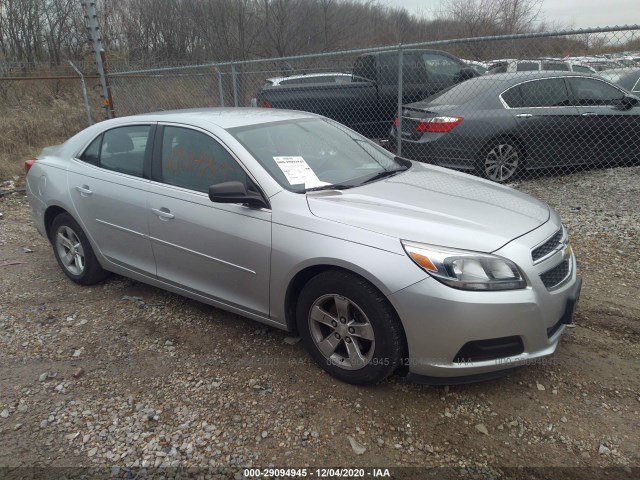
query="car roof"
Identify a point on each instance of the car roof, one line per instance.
(516, 77)
(225, 118)
(307, 75)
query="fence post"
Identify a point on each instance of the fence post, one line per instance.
(235, 84)
(105, 68)
(220, 89)
(94, 31)
(399, 126)
(84, 93)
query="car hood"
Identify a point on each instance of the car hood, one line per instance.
(437, 206)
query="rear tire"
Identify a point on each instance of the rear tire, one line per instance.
(501, 162)
(349, 328)
(73, 251)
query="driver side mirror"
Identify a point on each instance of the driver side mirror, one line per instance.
(236, 192)
(626, 102)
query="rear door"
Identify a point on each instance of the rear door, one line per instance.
(109, 188)
(546, 122)
(219, 251)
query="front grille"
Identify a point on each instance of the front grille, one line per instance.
(556, 275)
(492, 349)
(547, 247)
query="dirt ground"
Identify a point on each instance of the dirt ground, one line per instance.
(169, 382)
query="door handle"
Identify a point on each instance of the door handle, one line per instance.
(163, 213)
(589, 114)
(84, 190)
(524, 115)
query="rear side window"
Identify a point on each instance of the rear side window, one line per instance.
(512, 97)
(123, 149)
(365, 67)
(527, 67)
(550, 92)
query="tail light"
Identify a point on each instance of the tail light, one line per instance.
(395, 121)
(266, 104)
(438, 124)
(28, 164)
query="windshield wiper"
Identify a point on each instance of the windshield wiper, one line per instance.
(337, 186)
(385, 173)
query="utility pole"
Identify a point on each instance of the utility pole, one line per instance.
(96, 40)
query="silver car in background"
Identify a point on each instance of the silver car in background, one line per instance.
(296, 221)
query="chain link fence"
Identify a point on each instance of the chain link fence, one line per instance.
(43, 104)
(495, 106)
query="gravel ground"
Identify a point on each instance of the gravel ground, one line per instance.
(125, 375)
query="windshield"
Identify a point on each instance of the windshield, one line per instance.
(316, 154)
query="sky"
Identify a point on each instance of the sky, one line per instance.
(568, 13)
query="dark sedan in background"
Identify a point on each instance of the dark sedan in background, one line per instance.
(500, 124)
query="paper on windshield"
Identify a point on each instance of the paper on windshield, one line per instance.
(297, 171)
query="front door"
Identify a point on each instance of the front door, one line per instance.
(219, 251)
(611, 131)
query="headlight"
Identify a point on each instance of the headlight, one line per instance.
(466, 270)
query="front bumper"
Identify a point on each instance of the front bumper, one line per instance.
(439, 321)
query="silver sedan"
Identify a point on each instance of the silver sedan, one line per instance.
(379, 263)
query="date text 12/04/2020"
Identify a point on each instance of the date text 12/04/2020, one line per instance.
(316, 472)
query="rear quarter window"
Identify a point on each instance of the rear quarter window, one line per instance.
(91, 155)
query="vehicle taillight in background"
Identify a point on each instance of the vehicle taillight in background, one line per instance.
(266, 104)
(438, 124)
(395, 121)
(28, 164)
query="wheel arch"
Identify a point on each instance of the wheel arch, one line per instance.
(302, 277)
(520, 143)
(50, 214)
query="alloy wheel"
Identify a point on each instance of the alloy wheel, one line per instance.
(70, 250)
(341, 332)
(501, 162)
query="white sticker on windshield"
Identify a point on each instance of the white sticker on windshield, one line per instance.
(297, 172)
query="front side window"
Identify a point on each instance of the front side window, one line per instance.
(550, 92)
(193, 160)
(123, 149)
(591, 92)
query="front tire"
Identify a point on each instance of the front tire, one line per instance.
(349, 328)
(501, 162)
(73, 251)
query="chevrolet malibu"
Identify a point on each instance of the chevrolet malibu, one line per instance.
(291, 219)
